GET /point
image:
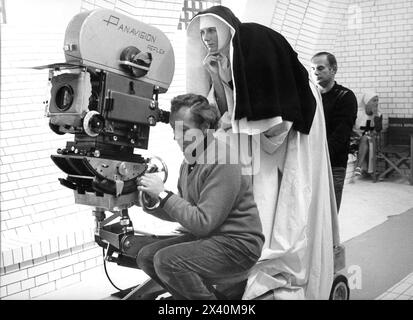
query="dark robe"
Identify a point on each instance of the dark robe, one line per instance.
(269, 79)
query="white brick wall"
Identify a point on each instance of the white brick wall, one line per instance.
(40, 276)
(371, 40)
(30, 195)
(159, 13)
(381, 54)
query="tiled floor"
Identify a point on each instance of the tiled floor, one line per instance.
(365, 205)
(400, 291)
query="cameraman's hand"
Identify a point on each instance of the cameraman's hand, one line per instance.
(211, 64)
(152, 184)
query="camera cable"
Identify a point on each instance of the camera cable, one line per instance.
(106, 272)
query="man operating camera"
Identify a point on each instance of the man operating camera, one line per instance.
(215, 205)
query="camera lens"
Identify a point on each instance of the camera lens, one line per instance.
(64, 97)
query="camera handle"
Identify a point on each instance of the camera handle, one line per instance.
(133, 65)
(145, 201)
(135, 62)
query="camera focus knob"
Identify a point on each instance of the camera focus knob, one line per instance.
(93, 123)
(151, 120)
(122, 169)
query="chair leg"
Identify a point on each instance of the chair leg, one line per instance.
(411, 171)
(393, 166)
(411, 159)
(376, 158)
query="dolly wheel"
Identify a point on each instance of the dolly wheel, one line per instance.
(340, 289)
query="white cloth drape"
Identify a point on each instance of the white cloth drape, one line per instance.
(296, 202)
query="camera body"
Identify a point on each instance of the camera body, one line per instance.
(106, 94)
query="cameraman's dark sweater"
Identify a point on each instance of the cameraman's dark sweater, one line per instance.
(340, 111)
(216, 198)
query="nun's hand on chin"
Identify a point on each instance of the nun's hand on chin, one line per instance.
(211, 64)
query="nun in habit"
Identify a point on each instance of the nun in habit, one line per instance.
(273, 112)
(367, 127)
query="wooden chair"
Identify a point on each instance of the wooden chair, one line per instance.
(395, 148)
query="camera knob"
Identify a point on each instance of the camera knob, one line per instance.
(153, 105)
(122, 169)
(128, 244)
(151, 120)
(124, 222)
(93, 123)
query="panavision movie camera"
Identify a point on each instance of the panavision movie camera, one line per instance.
(106, 94)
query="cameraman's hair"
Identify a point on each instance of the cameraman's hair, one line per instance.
(332, 61)
(202, 112)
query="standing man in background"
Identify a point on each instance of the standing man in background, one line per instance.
(340, 111)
